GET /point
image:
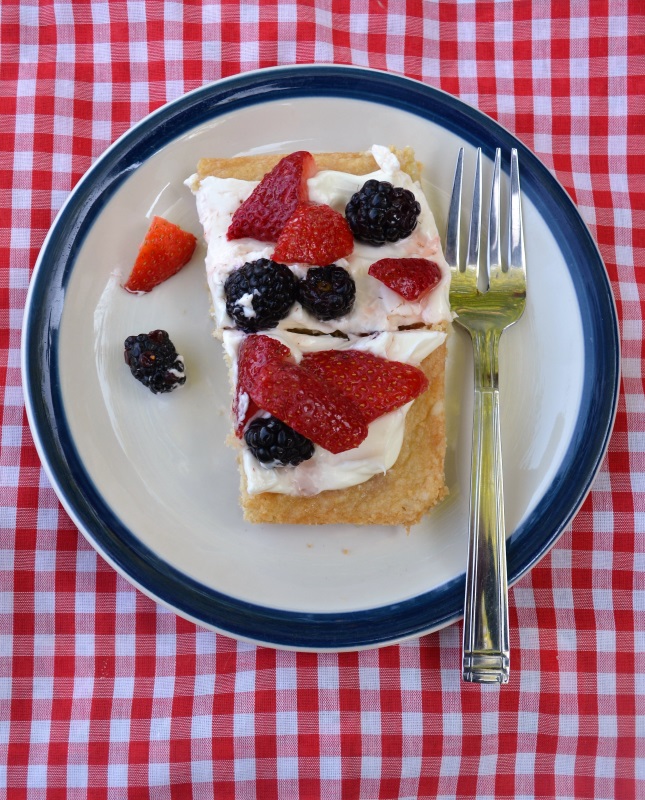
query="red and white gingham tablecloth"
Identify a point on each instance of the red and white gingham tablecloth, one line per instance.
(104, 694)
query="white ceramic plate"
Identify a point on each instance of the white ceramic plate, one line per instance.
(149, 480)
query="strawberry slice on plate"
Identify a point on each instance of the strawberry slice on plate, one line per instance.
(409, 277)
(264, 213)
(314, 234)
(375, 385)
(310, 407)
(165, 249)
(255, 352)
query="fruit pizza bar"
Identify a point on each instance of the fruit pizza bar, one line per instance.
(330, 294)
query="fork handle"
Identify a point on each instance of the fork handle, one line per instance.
(486, 648)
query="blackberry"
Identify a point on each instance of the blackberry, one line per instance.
(154, 362)
(381, 213)
(327, 292)
(259, 294)
(275, 444)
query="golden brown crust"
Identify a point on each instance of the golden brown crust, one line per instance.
(253, 168)
(400, 497)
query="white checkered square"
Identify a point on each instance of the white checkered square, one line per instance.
(83, 687)
(410, 679)
(452, 724)
(450, 766)
(201, 726)
(330, 768)
(528, 722)
(124, 686)
(159, 774)
(567, 639)
(244, 769)
(126, 605)
(42, 687)
(44, 602)
(245, 681)
(329, 722)
(369, 678)
(79, 731)
(164, 686)
(565, 764)
(44, 644)
(243, 725)
(286, 678)
(287, 13)
(117, 775)
(606, 683)
(563, 598)
(287, 768)
(201, 772)
(328, 678)
(160, 729)
(204, 685)
(77, 776)
(212, 14)
(286, 722)
(639, 770)
(411, 724)
(40, 731)
(605, 767)
(506, 104)
(370, 723)
(37, 776)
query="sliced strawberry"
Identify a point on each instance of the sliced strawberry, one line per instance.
(311, 408)
(409, 277)
(314, 235)
(255, 352)
(264, 213)
(376, 385)
(166, 248)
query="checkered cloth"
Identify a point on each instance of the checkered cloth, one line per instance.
(104, 694)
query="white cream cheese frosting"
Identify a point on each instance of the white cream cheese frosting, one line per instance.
(377, 308)
(376, 454)
(373, 325)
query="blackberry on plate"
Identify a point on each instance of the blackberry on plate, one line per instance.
(275, 444)
(381, 213)
(259, 294)
(327, 292)
(154, 362)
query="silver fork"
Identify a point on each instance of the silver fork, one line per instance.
(486, 303)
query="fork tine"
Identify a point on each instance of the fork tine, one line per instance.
(454, 215)
(494, 259)
(474, 232)
(516, 256)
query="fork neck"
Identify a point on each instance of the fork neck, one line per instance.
(486, 353)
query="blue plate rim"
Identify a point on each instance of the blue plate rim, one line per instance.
(140, 565)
